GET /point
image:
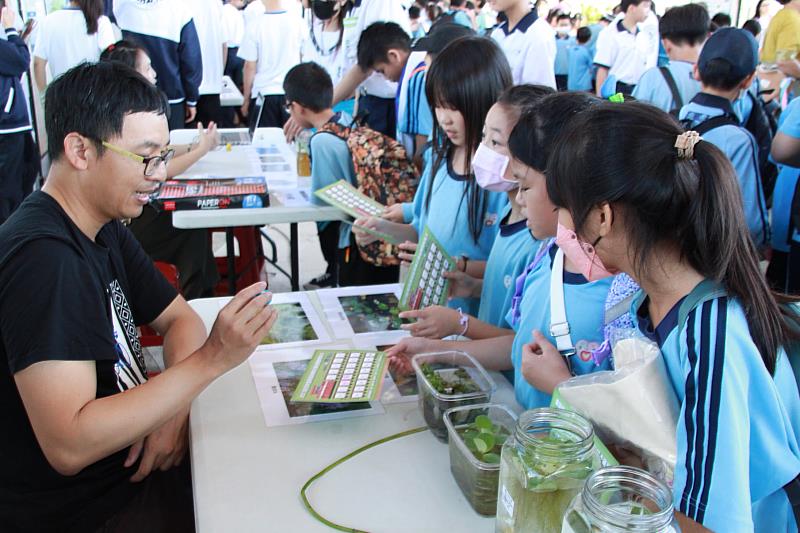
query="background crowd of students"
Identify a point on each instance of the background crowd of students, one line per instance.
(681, 185)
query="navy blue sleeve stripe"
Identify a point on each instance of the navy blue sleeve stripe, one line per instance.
(690, 401)
(713, 410)
(700, 412)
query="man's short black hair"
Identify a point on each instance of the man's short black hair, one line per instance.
(685, 25)
(722, 20)
(625, 4)
(719, 74)
(457, 3)
(377, 40)
(309, 85)
(92, 99)
(413, 12)
(583, 35)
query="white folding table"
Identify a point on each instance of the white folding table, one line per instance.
(247, 476)
(237, 163)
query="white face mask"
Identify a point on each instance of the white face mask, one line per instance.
(489, 168)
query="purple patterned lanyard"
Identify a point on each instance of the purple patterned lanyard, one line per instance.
(516, 301)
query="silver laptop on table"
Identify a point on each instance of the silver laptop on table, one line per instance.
(242, 136)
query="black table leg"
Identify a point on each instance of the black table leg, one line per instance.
(231, 261)
(294, 257)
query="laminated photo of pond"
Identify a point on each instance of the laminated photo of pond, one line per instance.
(289, 374)
(372, 313)
(406, 383)
(292, 325)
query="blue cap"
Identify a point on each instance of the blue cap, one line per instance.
(737, 47)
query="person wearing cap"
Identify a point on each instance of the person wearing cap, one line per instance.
(528, 42)
(726, 67)
(622, 50)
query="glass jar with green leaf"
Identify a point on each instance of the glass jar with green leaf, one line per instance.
(621, 499)
(446, 380)
(542, 467)
(476, 436)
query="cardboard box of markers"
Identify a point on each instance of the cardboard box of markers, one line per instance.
(212, 193)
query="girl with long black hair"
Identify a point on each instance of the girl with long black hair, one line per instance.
(464, 217)
(636, 194)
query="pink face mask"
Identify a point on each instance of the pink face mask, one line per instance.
(489, 168)
(582, 254)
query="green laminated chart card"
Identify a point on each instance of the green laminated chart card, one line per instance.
(344, 196)
(425, 284)
(350, 200)
(339, 376)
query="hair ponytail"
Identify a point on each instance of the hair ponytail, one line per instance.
(92, 11)
(692, 204)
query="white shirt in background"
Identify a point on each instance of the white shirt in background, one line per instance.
(233, 22)
(355, 22)
(207, 15)
(530, 49)
(62, 40)
(273, 40)
(321, 48)
(624, 54)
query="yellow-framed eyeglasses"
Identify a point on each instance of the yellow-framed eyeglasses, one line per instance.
(151, 163)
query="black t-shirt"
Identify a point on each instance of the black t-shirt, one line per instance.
(64, 297)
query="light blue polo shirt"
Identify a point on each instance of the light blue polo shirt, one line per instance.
(330, 162)
(447, 217)
(581, 68)
(513, 249)
(653, 89)
(562, 54)
(416, 118)
(585, 306)
(739, 145)
(738, 426)
(789, 124)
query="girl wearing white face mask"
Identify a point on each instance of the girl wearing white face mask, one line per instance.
(569, 311)
(514, 247)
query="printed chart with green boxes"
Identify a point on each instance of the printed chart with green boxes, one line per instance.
(338, 376)
(344, 196)
(425, 284)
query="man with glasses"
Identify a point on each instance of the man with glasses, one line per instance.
(89, 442)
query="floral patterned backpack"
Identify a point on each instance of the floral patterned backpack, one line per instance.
(383, 172)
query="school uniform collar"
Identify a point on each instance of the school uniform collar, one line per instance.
(335, 118)
(621, 28)
(717, 102)
(523, 25)
(570, 278)
(455, 175)
(659, 333)
(507, 230)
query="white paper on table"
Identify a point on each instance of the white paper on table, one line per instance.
(277, 373)
(294, 330)
(298, 197)
(363, 328)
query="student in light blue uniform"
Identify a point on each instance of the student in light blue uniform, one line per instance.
(462, 216)
(531, 140)
(739, 420)
(726, 66)
(513, 247)
(783, 273)
(309, 93)
(683, 30)
(581, 67)
(563, 43)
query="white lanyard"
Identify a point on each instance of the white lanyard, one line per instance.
(559, 327)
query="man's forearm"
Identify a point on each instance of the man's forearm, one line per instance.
(185, 337)
(602, 75)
